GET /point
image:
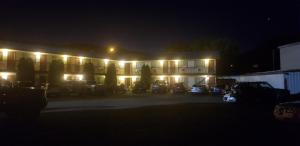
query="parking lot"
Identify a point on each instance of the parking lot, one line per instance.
(149, 120)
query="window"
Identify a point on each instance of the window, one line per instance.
(191, 63)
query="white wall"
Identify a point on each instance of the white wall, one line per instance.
(290, 57)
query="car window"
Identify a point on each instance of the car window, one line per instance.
(265, 85)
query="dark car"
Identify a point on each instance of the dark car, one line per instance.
(178, 88)
(255, 92)
(139, 87)
(20, 100)
(217, 90)
(290, 110)
(159, 86)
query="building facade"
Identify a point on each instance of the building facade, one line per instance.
(188, 71)
(289, 56)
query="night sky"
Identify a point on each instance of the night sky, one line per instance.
(147, 25)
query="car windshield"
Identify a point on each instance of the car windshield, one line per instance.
(265, 85)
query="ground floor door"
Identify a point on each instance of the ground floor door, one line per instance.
(127, 82)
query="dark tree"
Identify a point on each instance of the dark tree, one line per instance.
(56, 72)
(110, 81)
(25, 70)
(146, 76)
(89, 72)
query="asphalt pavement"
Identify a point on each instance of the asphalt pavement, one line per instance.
(150, 121)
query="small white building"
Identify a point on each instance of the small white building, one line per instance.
(290, 56)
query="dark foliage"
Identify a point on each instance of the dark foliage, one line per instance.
(25, 70)
(56, 72)
(110, 81)
(146, 76)
(89, 72)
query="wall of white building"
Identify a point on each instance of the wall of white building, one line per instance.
(290, 57)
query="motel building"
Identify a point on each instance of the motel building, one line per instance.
(189, 69)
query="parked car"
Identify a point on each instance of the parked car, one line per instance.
(139, 87)
(121, 89)
(21, 101)
(288, 111)
(254, 92)
(217, 90)
(178, 88)
(159, 86)
(199, 89)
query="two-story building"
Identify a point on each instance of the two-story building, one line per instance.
(189, 68)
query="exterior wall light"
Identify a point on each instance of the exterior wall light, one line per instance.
(206, 62)
(66, 76)
(5, 53)
(106, 61)
(38, 56)
(81, 60)
(161, 62)
(79, 77)
(65, 57)
(122, 64)
(4, 76)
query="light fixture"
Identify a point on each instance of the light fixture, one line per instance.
(161, 62)
(161, 77)
(176, 78)
(81, 60)
(133, 78)
(65, 57)
(122, 63)
(80, 77)
(65, 76)
(5, 52)
(106, 61)
(4, 76)
(176, 62)
(206, 62)
(37, 56)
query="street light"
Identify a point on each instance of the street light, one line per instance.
(111, 50)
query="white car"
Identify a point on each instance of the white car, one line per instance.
(198, 89)
(229, 98)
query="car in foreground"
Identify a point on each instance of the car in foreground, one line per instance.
(18, 100)
(178, 88)
(159, 86)
(198, 89)
(254, 92)
(288, 111)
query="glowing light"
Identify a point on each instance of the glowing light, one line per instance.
(65, 76)
(65, 57)
(106, 61)
(206, 62)
(37, 56)
(206, 78)
(122, 63)
(161, 77)
(176, 62)
(80, 77)
(161, 62)
(5, 52)
(134, 63)
(122, 79)
(111, 50)
(4, 76)
(133, 78)
(81, 59)
(176, 79)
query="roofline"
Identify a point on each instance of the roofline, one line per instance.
(289, 45)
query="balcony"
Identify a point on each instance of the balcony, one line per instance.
(192, 70)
